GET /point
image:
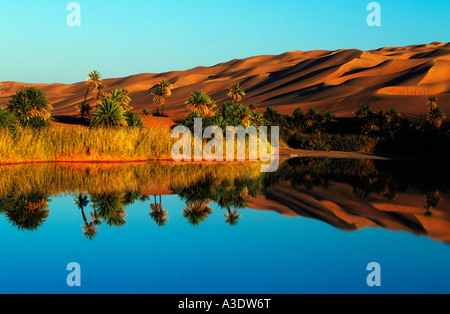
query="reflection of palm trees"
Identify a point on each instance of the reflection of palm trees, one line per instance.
(158, 215)
(110, 207)
(232, 198)
(130, 197)
(89, 228)
(432, 200)
(232, 218)
(118, 220)
(95, 218)
(28, 212)
(197, 212)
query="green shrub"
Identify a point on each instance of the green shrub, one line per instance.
(331, 142)
(133, 119)
(8, 120)
(147, 112)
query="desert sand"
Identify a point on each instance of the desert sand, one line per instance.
(339, 81)
(341, 208)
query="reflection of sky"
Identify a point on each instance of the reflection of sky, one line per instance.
(264, 253)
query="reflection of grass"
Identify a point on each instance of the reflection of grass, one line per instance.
(120, 178)
(84, 144)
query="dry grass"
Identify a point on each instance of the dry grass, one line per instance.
(84, 144)
(58, 143)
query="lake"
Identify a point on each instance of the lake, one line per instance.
(311, 227)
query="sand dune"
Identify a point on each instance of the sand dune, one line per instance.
(341, 208)
(340, 81)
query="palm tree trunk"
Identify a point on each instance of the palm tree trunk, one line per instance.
(87, 92)
(84, 216)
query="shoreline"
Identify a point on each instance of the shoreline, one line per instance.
(285, 154)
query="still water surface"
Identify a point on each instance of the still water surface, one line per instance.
(310, 228)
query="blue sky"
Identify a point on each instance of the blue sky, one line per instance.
(121, 38)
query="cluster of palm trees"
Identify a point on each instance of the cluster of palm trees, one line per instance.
(111, 109)
(371, 121)
(231, 113)
(160, 93)
(201, 104)
(110, 208)
(107, 207)
(312, 121)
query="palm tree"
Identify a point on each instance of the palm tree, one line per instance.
(30, 103)
(232, 217)
(312, 117)
(432, 103)
(81, 201)
(118, 219)
(121, 97)
(84, 109)
(432, 200)
(109, 114)
(257, 119)
(110, 207)
(95, 217)
(393, 117)
(159, 96)
(134, 119)
(236, 92)
(89, 228)
(368, 119)
(328, 117)
(94, 80)
(100, 93)
(197, 212)
(244, 115)
(436, 116)
(28, 212)
(158, 215)
(200, 103)
(167, 86)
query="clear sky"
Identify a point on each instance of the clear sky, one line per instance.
(121, 38)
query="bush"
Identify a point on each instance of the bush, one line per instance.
(133, 119)
(308, 142)
(8, 120)
(31, 107)
(331, 142)
(160, 114)
(147, 112)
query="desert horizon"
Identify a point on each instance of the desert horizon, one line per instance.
(337, 81)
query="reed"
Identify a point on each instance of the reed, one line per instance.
(84, 144)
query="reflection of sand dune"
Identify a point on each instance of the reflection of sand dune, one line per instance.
(341, 80)
(341, 208)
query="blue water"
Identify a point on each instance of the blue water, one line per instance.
(265, 253)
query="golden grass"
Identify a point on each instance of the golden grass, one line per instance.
(84, 144)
